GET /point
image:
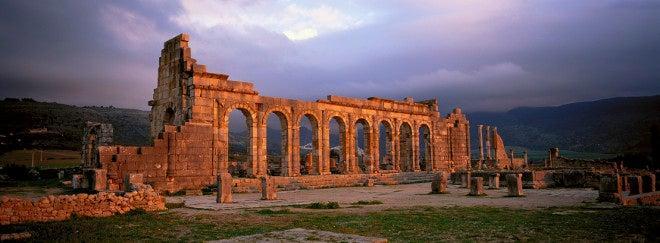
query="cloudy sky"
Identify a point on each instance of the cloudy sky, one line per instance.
(480, 55)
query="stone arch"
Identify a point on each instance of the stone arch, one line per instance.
(278, 165)
(386, 144)
(363, 157)
(229, 162)
(309, 157)
(406, 147)
(338, 158)
(424, 147)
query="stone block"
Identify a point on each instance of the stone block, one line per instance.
(610, 188)
(369, 182)
(131, 180)
(494, 181)
(268, 191)
(465, 180)
(635, 183)
(477, 186)
(224, 188)
(648, 183)
(439, 183)
(515, 185)
(77, 181)
(97, 179)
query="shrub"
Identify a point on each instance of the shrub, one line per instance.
(321, 205)
(269, 211)
(372, 202)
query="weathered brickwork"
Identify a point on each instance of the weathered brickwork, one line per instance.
(57, 208)
(189, 126)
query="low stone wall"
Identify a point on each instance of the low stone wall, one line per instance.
(330, 181)
(57, 208)
(538, 179)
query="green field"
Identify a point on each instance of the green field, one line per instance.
(42, 158)
(398, 225)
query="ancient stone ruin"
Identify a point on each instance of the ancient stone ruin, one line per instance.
(189, 125)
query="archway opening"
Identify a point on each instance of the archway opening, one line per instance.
(338, 163)
(239, 143)
(309, 144)
(385, 146)
(424, 147)
(405, 146)
(362, 145)
(276, 143)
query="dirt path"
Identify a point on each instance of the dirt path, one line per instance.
(398, 196)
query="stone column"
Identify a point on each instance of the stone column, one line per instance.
(415, 148)
(515, 185)
(375, 150)
(488, 142)
(268, 191)
(295, 149)
(324, 161)
(493, 140)
(223, 145)
(477, 186)
(481, 144)
(526, 158)
(224, 188)
(261, 138)
(635, 183)
(439, 183)
(494, 181)
(511, 158)
(465, 180)
(396, 160)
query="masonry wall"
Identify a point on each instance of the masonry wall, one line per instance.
(57, 208)
(189, 124)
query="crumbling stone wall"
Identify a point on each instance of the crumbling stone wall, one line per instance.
(57, 208)
(189, 124)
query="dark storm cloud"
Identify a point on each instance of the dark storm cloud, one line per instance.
(480, 55)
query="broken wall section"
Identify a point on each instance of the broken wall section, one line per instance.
(180, 159)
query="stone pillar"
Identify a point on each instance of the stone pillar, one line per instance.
(481, 144)
(261, 138)
(465, 180)
(324, 161)
(610, 189)
(477, 186)
(488, 142)
(415, 148)
(525, 158)
(268, 191)
(97, 179)
(494, 181)
(439, 183)
(375, 150)
(515, 185)
(635, 183)
(295, 150)
(224, 188)
(648, 183)
(511, 158)
(396, 146)
(554, 154)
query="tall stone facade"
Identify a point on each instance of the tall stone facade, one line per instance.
(189, 126)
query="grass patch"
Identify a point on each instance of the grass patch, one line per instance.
(47, 159)
(422, 224)
(269, 211)
(322, 205)
(372, 202)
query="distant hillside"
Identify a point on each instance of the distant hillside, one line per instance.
(27, 123)
(604, 126)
